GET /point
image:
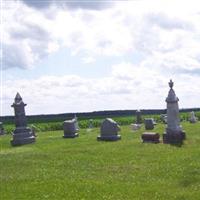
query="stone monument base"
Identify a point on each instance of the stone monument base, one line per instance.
(193, 121)
(174, 138)
(150, 137)
(22, 136)
(70, 135)
(109, 137)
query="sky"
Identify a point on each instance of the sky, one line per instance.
(81, 56)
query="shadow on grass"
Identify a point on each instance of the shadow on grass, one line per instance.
(177, 144)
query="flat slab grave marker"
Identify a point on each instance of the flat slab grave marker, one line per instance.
(150, 137)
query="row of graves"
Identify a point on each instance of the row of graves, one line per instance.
(109, 130)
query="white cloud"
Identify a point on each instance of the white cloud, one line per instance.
(136, 88)
(45, 4)
(127, 27)
(166, 34)
(26, 38)
(88, 60)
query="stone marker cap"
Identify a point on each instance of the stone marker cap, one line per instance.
(18, 100)
(171, 95)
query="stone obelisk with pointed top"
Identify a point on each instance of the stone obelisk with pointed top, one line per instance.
(174, 132)
(22, 134)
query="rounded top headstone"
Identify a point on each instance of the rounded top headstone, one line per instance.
(109, 120)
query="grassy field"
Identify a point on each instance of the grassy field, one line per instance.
(57, 124)
(83, 169)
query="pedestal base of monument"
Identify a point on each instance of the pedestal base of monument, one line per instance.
(70, 135)
(174, 138)
(193, 121)
(109, 137)
(22, 136)
(150, 137)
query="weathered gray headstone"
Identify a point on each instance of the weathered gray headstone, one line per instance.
(138, 117)
(22, 134)
(1, 129)
(109, 130)
(70, 129)
(193, 118)
(149, 123)
(174, 133)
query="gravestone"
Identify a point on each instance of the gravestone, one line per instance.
(163, 118)
(149, 123)
(76, 122)
(34, 129)
(174, 133)
(135, 127)
(138, 117)
(193, 118)
(150, 137)
(109, 130)
(70, 129)
(1, 129)
(90, 126)
(22, 134)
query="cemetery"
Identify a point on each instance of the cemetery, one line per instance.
(126, 157)
(100, 100)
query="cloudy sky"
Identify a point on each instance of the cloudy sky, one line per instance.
(78, 56)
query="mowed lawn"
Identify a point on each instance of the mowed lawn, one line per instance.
(83, 168)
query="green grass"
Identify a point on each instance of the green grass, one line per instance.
(83, 168)
(56, 124)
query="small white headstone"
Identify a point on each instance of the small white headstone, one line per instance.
(193, 118)
(135, 127)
